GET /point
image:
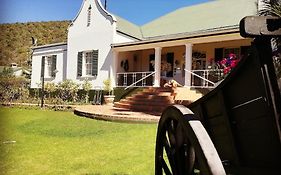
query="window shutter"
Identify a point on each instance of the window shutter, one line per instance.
(95, 63)
(54, 65)
(42, 66)
(218, 54)
(79, 64)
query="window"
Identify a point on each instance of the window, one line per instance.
(221, 53)
(87, 63)
(48, 66)
(228, 51)
(89, 16)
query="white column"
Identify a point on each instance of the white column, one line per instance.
(113, 69)
(157, 66)
(188, 64)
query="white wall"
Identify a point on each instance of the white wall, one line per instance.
(98, 36)
(121, 38)
(38, 53)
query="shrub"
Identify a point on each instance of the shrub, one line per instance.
(86, 87)
(50, 89)
(67, 90)
(107, 86)
(13, 88)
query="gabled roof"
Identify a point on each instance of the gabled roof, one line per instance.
(128, 28)
(49, 45)
(206, 16)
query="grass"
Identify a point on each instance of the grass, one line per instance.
(49, 142)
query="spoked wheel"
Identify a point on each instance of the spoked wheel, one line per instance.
(183, 146)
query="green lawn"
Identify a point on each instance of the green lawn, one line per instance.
(49, 142)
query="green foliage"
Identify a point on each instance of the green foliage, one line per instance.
(272, 8)
(48, 142)
(7, 72)
(50, 88)
(107, 86)
(67, 90)
(15, 39)
(86, 87)
(13, 88)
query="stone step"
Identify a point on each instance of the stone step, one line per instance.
(120, 109)
(145, 102)
(151, 97)
(141, 108)
(155, 100)
(160, 89)
(154, 93)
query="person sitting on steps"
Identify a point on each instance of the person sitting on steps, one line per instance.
(172, 84)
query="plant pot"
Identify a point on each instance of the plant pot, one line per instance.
(109, 99)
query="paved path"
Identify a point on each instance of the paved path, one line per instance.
(109, 113)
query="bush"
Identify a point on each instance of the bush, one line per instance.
(13, 88)
(67, 91)
(50, 89)
(86, 87)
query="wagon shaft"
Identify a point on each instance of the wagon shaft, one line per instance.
(234, 129)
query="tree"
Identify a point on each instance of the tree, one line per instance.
(273, 8)
(269, 7)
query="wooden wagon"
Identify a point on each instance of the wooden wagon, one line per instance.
(234, 129)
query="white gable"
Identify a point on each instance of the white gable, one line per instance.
(96, 34)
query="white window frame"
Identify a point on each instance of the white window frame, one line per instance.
(87, 67)
(48, 66)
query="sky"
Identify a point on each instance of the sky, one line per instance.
(137, 11)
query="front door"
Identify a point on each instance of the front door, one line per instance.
(151, 62)
(170, 60)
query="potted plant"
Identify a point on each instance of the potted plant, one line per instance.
(108, 96)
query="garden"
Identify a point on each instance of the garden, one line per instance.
(34, 141)
(17, 90)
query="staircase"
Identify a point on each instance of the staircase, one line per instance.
(185, 95)
(150, 100)
(155, 100)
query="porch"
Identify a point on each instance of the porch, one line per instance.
(199, 78)
(192, 63)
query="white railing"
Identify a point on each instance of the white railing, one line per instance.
(208, 78)
(135, 79)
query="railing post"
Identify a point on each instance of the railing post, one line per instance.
(157, 66)
(125, 79)
(113, 69)
(188, 64)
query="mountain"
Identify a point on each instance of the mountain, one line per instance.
(16, 39)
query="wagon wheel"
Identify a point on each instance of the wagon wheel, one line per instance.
(183, 146)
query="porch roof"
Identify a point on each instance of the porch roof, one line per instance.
(202, 36)
(204, 16)
(192, 19)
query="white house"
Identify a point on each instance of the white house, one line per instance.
(181, 45)
(54, 70)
